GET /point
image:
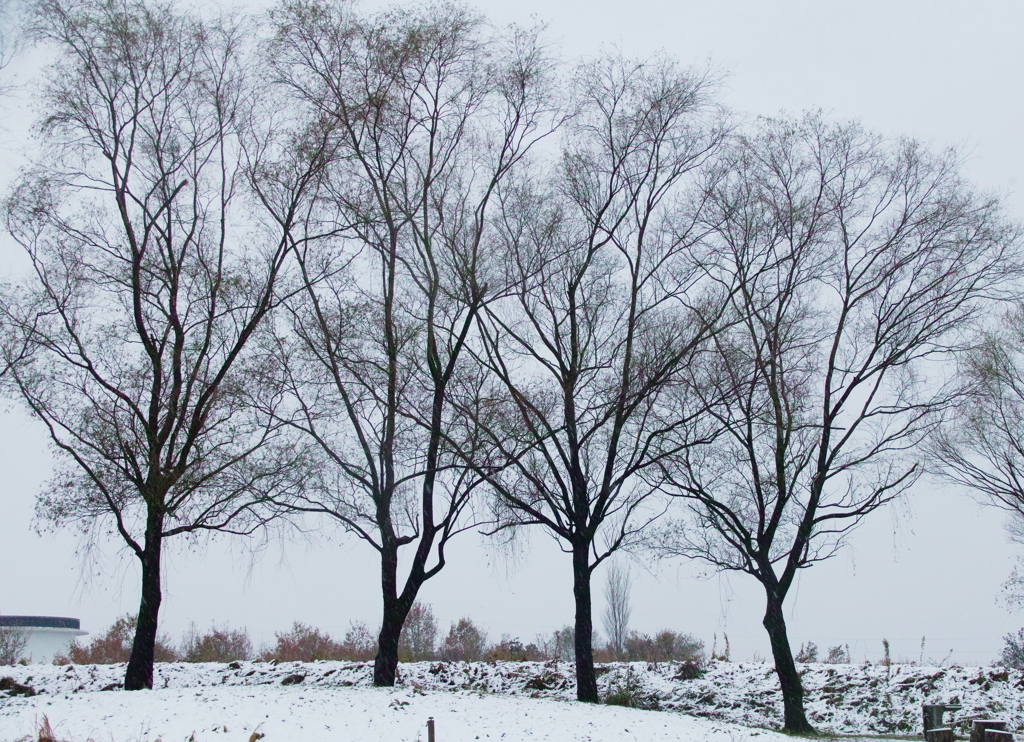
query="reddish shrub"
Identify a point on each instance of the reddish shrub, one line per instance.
(114, 646)
(304, 644)
(217, 645)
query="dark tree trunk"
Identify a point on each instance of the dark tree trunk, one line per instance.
(586, 678)
(139, 675)
(785, 667)
(385, 665)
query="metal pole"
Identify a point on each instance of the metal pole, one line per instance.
(430, 729)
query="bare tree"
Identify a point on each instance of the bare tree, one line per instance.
(859, 263)
(419, 634)
(982, 446)
(465, 642)
(430, 110)
(617, 610)
(151, 269)
(604, 307)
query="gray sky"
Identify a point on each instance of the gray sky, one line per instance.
(946, 73)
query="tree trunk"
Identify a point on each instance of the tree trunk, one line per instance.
(139, 674)
(785, 667)
(385, 665)
(586, 679)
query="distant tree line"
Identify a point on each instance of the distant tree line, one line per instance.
(404, 274)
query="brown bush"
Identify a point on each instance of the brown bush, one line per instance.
(304, 644)
(512, 650)
(665, 646)
(465, 642)
(217, 645)
(114, 646)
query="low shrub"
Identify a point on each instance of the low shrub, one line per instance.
(217, 645)
(808, 653)
(12, 645)
(665, 646)
(1013, 651)
(689, 671)
(838, 655)
(510, 649)
(113, 646)
(627, 691)
(304, 644)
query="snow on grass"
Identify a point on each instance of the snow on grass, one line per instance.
(325, 713)
(479, 700)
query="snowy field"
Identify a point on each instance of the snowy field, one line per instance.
(322, 714)
(732, 702)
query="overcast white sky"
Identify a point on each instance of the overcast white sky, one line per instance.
(946, 73)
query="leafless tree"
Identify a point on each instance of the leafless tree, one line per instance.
(430, 110)
(465, 642)
(982, 446)
(604, 306)
(859, 264)
(151, 269)
(419, 634)
(617, 609)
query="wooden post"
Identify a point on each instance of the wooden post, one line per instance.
(939, 735)
(998, 735)
(430, 729)
(932, 717)
(980, 725)
(932, 713)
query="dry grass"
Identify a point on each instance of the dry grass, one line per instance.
(44, 733)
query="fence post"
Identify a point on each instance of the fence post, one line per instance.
(430, 729)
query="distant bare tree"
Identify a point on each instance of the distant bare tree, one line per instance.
(465, 642)
(605, 307)
(617, 610)
(157, 226)
(419, 634)
(430, 110)
(860, 263)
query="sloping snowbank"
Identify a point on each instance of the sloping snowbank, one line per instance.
(839, 698)
(333, 714)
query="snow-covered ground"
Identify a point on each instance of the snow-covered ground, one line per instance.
(731, 702)
(322, 714)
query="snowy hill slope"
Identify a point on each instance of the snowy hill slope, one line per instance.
(845, 699)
